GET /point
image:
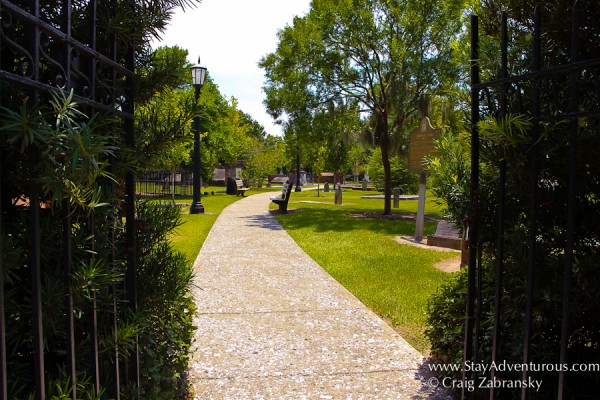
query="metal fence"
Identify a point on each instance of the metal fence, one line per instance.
(564, 96)
(165, 183)
(42, 52)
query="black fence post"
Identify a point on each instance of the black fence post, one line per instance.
(571, 202)
(469, 351)
(501, 205)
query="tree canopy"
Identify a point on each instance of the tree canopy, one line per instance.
(380, 55)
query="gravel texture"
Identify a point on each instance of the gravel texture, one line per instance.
(272, 324)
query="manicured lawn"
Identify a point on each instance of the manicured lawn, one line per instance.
(394, 280)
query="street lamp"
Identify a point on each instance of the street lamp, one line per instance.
(198, 75)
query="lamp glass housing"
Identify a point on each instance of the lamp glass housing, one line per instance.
(198, 75)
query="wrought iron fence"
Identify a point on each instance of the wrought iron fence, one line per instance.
(551, 216)
(164, 183)
(42, 51)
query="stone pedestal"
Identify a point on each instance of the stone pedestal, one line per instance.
(338, 194)
(396, 197)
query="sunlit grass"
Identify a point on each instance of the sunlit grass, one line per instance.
(189, 237)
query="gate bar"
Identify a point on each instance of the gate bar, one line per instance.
(537, 52)
(501, 205)
(3, 377)
(472, 223)
(571, 204)
(34, 227)
(130, 224)
(67, 270)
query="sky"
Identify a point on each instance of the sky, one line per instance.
(231, 36)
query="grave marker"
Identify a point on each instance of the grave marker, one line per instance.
(421, 144)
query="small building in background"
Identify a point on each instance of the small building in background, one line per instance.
(226, 170)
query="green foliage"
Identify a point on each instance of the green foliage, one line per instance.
(78, 163)
(164, 137)
(73, 153)
(450, 175)
(408, 182)
(73, 170)
(165, 303)
(167, 69)
(510, 141)
(445, 318)
(263, 157)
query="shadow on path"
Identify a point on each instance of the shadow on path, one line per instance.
(262, 221)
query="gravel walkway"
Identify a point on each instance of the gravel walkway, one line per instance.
(272, 324)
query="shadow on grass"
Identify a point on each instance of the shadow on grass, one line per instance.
(327, 220)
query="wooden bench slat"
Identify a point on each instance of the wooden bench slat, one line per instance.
(240, 189)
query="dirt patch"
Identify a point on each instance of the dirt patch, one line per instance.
(449, 265)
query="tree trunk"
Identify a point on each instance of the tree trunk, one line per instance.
(318, 184)
(173, 185)
(384, 144)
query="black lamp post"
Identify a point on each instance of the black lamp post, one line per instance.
(198, 75)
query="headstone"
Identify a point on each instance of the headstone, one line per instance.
(446, 229)
(326, 187)
(396, 197)
(364, 184)
(446, 235)
(338, 194)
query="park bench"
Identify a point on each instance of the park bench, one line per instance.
(283, 199)
(238, 189)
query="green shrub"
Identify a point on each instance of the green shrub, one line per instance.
(165, 303)
(509, 139)
(401, 178)
(73, 169)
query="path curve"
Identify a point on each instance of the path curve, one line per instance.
(272, 324)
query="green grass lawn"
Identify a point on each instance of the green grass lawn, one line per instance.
(394, 280)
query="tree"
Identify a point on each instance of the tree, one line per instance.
(358, 159)
(383, 55)
(262, 158)
(163, 119)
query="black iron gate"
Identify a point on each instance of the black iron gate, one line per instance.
(544, 198)
(47, 47)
